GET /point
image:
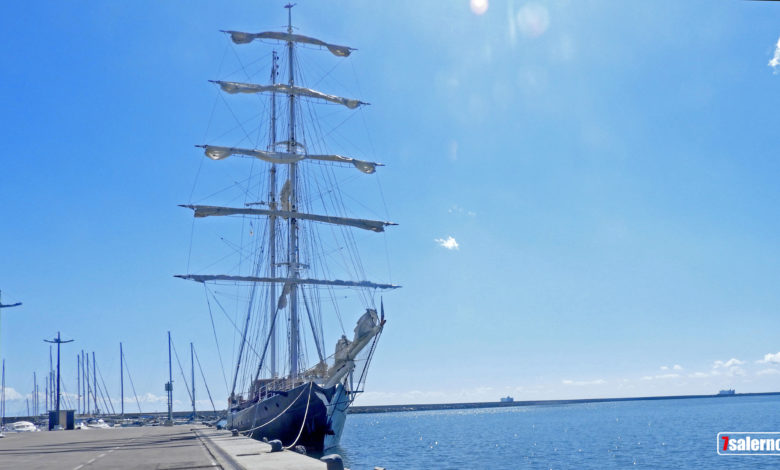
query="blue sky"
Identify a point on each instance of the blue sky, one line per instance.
(607, 169)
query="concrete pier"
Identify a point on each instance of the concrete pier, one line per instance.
(157, 447)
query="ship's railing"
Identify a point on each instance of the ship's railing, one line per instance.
(265, 388)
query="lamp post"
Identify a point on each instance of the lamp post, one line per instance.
(58, 341)
(2, 392)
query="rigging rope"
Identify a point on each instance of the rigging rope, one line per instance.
(186, 385)
(132, 385)
(100, 374)
(205, 383)
(216, 340)
(305, 414)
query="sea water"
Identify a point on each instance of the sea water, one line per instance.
(657, 434)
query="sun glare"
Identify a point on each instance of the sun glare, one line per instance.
(478, 7)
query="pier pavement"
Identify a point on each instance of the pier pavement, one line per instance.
(153, 447)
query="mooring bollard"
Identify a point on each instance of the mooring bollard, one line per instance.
(276, 445)
(300, 449)
(333, 462)
(234, 432)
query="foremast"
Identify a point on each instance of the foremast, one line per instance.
(272, 222)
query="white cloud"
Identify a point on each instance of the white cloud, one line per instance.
(456, 209)
(677, 367)
(730, 363)
(11, 394)
(770, 359)
(149, 397)
(664, 368)
(667, 376)
(769, 371)
(448, 243)
(698, 375)
(775, 61)
(583, 382)
(732, 371)
(661, 376)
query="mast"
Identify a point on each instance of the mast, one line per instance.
(272, 223)
(169, 385)
(35, 394)
(51, 381)
(292, 253)
(192, 360)
(122, 378)
(2, 399)
(85, 371)
(94, 381)
(78, 383)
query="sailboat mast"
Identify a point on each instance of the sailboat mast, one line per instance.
(169, 385)
(192, 360)
(272, 222)
(51, 381)
(94, 381)
(292, 254)
(2, 399)
(122, 378)
(85, 370)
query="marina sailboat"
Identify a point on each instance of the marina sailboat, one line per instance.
(299, 272)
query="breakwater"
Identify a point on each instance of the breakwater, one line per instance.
(496, 404)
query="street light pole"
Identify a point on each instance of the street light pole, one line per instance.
(2, 392)
(58, 341)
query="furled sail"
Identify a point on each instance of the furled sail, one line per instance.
(237, 87)
(216, 152)
(365, 224)
(239, 37)
(291, 280)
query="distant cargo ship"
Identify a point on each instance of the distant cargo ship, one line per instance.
(507, 399)
(727, 392)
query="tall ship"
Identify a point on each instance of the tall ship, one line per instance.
(298, 282)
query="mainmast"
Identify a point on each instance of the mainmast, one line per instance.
(292, 253)
(272, 311)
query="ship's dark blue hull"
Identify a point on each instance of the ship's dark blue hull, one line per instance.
(302, 410)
